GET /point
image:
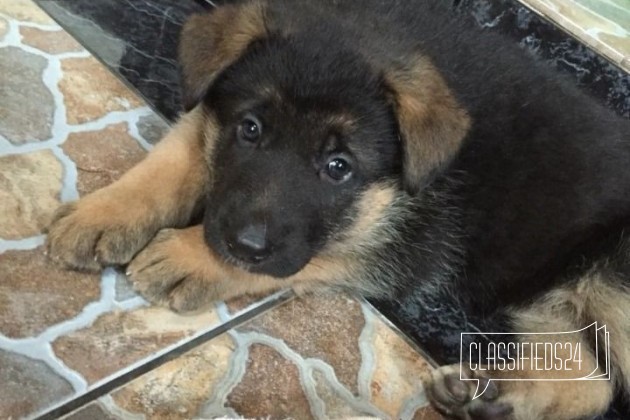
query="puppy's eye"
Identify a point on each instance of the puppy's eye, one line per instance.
(338, 170)
(250, 129)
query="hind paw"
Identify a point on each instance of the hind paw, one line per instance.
(453, 396)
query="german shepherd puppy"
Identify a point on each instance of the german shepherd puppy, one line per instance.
(377, 147)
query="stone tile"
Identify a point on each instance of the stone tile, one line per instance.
(326, 327)
(35, 295)
(26, 11)
(91, 91)
(251, 373)
(26, 104)
(92, 411)
(27, 385)
(119, 339)
(427, 413)
(30, 185)
(398, 371)
(177, 390)
(241, 303)
(271, 387)
(152, 128)
(52, 42)
(102, 156)
(4, 27)
(336, 406)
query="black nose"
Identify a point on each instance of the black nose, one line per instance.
(250, 244)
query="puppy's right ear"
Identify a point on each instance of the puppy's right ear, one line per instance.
(212, 41)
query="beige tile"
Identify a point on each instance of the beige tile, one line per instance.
(53, 42)
(26, 11)
(91, 91)
(30, 185)
(398, 372)
(618, 43)
(119, 339)
(102, 156)
(179, 389)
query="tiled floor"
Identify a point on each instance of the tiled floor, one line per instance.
(324, 357)
(67, 127)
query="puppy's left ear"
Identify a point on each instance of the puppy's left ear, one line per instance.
(212, 41)
(432, 124)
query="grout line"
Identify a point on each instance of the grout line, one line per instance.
(44, 27)
(24, 244)
(215, 404)
(412, 405)
(306, 366)
(69, 191)
(109, 405)
(368, 363)
(161, 357)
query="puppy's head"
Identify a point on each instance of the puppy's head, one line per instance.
(306, 127)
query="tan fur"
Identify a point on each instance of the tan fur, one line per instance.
(177, 268)
(111, 225)
(365, 231)
(593, 298)
(431, 121)
(610, 304)
(225, 33)
(342, 260)
(344, 122)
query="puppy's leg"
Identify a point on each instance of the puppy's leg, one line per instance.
(519, 400)
(111, 225)
(178, 269)
(532, 396)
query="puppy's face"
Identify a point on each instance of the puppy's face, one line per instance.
(307, 123)
(302, 134)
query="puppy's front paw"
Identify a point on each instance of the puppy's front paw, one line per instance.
(175, 270)
(98, 231)
(453, 397)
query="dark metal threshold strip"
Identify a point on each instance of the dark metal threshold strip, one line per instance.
(122, 378)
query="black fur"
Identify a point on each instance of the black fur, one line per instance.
(540, 180)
